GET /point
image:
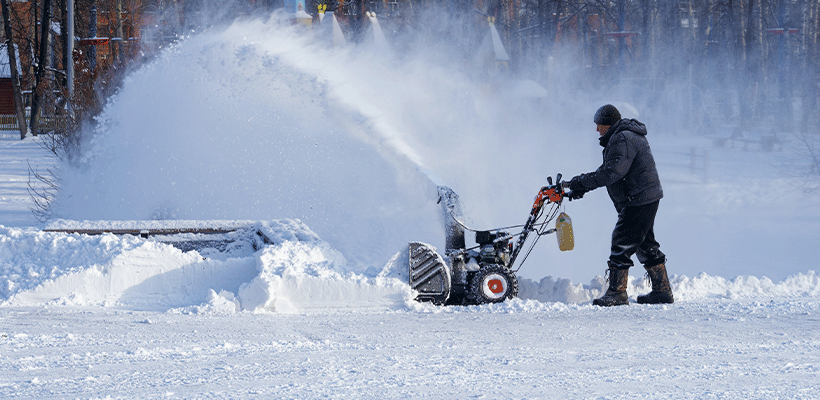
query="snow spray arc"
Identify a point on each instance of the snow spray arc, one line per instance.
(280, 134)
(303, 151)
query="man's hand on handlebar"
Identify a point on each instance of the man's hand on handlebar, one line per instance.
(575, 194)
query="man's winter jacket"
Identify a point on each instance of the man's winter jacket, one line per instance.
(628, 171)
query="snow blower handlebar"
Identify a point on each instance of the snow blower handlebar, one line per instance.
(548, 194)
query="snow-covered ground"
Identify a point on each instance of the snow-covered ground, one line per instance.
(18, 161)
(705, 349)
(322, 311)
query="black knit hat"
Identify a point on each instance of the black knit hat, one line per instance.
(607, 115)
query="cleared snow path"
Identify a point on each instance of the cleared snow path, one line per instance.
(726, 349)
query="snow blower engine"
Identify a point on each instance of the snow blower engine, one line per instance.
(484, 273)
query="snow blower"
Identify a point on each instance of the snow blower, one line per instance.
(484, 273)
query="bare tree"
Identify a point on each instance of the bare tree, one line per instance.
(39, 74)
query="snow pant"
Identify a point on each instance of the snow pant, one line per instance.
(634, 234)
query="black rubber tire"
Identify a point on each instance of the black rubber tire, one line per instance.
(492, 284)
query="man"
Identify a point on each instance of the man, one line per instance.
(630, 177)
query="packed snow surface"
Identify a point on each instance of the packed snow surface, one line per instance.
(323, 162)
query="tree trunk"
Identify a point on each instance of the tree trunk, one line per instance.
(41, 65)
(644, 37)
(750, 55)
(64, 40)
(15, 75)
(809, 65)
(118, 33)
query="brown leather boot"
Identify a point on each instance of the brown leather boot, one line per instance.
(661, 291)
(616, 293)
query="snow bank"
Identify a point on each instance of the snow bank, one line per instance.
(303, 272)
(55, 268)
(703, 286)
(297, 272)
(706, 286)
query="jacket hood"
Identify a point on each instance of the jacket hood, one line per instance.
(626, 124)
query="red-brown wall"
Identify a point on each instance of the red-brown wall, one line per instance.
(6, 97)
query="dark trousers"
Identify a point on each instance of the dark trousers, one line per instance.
(634, 234)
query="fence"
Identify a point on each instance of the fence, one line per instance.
(8, 122)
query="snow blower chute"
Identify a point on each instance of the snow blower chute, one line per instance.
(483, 273)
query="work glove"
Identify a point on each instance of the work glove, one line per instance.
(575, 184)
(577, 191)
(576, 194)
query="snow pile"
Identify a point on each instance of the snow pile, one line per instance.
(549, 289)
(706, 286)
(30, 257)
(56, 268)
(703, 286)
(297, 272)
(307, 274)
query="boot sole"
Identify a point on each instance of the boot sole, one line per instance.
(605, 304)
(658, 301)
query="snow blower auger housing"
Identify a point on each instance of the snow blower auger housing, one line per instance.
(483, 273)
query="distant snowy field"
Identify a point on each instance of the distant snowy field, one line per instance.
(307, 316)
